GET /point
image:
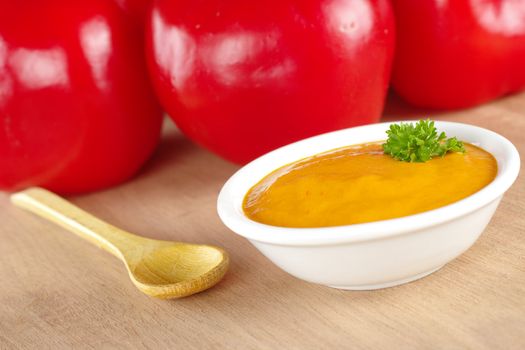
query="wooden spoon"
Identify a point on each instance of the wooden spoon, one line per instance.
(161, 269)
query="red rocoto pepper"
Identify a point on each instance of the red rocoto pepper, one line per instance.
(77, 112)
(244, 77)
(458, 53)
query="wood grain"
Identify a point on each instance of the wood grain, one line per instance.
(475, 302)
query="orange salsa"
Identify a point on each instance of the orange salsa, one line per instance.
(359, 184)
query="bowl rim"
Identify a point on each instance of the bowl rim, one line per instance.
(231, 214)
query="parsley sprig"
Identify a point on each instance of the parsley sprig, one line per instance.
(419, 142)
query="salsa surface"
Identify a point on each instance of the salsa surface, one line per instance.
(359, 184)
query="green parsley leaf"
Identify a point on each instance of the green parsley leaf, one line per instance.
(420, 142)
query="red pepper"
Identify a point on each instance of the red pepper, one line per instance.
(244, 77)
(458, 53)
(76, 109)
(135, 9)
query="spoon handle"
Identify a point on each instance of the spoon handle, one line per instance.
(56, 209)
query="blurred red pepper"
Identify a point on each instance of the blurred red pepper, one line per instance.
(244, 77)
(76, 109)
(458, 53)
(136, 9)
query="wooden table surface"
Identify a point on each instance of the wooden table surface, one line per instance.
(60, 292)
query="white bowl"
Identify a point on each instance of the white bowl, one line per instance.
(377, 254)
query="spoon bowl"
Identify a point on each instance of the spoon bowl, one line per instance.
(161, 269)
(177, 269)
